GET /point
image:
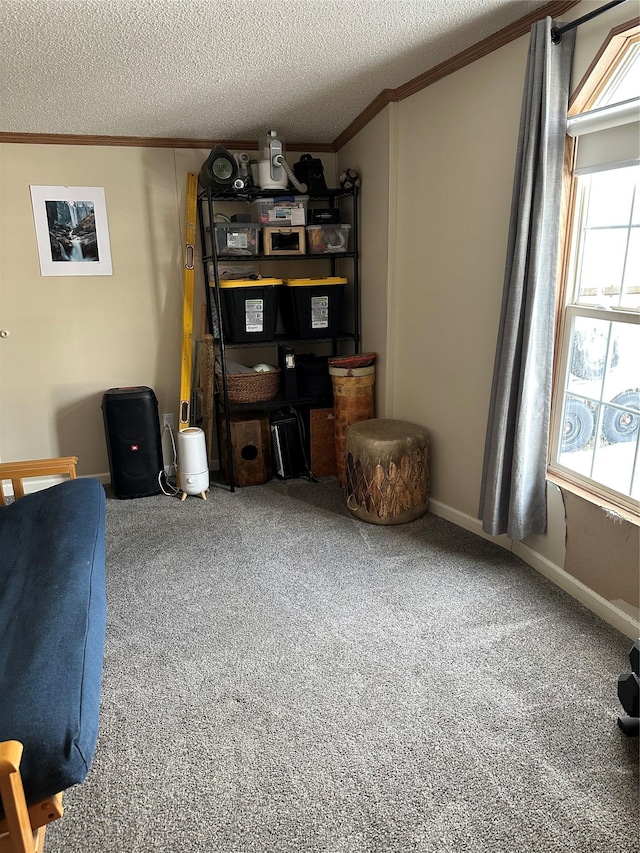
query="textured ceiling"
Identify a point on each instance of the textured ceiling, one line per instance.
(222, 69)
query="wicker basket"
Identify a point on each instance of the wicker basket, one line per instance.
(251, 387)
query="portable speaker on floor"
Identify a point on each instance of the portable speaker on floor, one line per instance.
(132, 429)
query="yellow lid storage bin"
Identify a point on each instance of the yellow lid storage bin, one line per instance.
(250, 308)
(312, 307)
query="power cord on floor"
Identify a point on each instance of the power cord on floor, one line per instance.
(167, 487)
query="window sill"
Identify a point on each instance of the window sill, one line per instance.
(609, 506)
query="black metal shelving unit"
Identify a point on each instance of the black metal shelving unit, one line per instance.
(207, 201)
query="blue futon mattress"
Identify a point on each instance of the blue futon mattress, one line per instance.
(52, 626)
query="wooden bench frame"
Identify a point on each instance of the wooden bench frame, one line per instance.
(19, 471)
(23, 828)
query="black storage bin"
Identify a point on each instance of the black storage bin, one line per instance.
(312, 307)
(250, 309)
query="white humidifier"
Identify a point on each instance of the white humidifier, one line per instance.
(193, 465)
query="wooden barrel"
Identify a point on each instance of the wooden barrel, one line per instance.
(353, 401)
(387, 471)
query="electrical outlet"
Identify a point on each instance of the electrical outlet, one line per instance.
(167, 420)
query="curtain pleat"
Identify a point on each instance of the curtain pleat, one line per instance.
(513, 492)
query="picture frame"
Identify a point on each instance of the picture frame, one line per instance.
(72, 231)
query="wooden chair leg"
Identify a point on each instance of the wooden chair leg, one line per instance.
(21, 835)
(38, 839)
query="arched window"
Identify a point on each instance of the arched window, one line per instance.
(596, 407)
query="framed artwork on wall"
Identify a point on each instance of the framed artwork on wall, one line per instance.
(71, 230)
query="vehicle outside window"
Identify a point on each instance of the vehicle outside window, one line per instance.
(597, 409)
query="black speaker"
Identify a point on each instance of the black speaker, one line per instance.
(132, 429)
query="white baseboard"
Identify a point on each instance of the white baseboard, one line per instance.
(468, 522)
(624, 622)
(615, 616)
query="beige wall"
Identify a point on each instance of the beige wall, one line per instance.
(71, 338)
(372, 153)
(456, 151)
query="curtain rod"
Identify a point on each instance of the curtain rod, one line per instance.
(556, 32)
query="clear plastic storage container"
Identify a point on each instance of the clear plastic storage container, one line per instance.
(282, 210)
(327, 239)
(237, 238)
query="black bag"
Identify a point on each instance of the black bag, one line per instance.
(310, 171)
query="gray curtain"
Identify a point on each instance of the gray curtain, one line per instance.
(513, 495)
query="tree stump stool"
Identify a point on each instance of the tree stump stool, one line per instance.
(387, 471)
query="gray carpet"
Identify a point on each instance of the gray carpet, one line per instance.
(281, 677)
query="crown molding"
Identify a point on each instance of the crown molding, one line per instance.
(482, 48)
(149, 141)
(376, 106)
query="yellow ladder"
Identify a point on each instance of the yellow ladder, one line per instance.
(186, 371)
